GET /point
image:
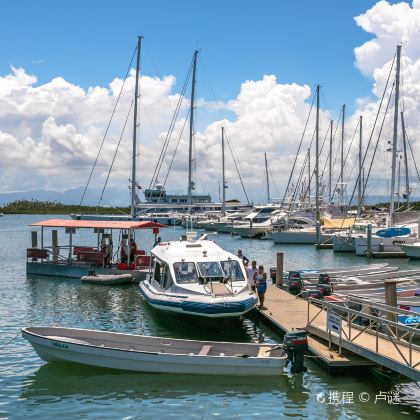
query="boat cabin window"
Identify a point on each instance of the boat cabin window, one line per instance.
(158, 271)
(166, 278)
(210, 269)
(185, 272)
(233, 270)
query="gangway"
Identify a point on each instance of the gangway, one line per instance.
(370, 330)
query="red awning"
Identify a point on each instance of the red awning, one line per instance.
(99, 224)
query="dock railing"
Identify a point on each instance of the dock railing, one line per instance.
(355, 317)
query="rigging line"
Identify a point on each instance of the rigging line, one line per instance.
(171, 128)
(115, 154)
(273, 181)
(338, 148)
(302, 170)
(345, 159)
(107, 128)
(176, 148)
(298, 151)
(312, 173)
(372, 132)
(236, 165)
(412, 154)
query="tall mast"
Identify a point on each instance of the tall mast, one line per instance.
(266, 176)
(395, 136)
(359, 183)
(330, 163)
(309, 176)
(190, 181)
(223, 174)
(133, 165)
(407, 181)
(317, 156)
(342, 157)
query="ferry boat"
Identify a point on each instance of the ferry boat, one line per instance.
(197, 277)
(76, 259)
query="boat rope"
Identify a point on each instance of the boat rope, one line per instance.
(298, 151)
(372, 132)
(115, 154)
(171, 129)
(236, 166)
(107, 128)
(10, 341)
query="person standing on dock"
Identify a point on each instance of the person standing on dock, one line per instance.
(261, 285)
(251, 271)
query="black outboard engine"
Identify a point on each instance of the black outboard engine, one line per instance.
(273, 274)
(324, 278)
(296, 345)
(326, 289)
(295, 282)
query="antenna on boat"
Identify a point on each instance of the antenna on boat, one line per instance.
(133, 167)
(190, 181)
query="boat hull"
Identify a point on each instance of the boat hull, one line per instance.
(58, 349)
(78, 271)
(343, 243)
(380, 244)
(200, 306)
(299, 237)
(412, 252)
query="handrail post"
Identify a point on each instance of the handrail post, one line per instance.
(349, 323)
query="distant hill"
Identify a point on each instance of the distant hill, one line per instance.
(112, 197)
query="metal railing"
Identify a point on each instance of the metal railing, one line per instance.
(376, 319)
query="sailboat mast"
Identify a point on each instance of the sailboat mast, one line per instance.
(223, 174)
(267, 181)
(133, 165)
(330, 164)
(407, 181)
(342, 156)
(317, 156)
(190, 181)
(395, 136)
(359, 183)
(309, 176)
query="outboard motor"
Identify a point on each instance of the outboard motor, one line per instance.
(296, 345)
(324, 278)
(312, 293)
(295, 282)
(326, 289)
(273, 274)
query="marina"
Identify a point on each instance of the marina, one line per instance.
(121, 308)
(172, 252)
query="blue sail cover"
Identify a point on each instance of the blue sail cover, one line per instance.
(393, 231)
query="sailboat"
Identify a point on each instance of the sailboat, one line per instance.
(391, 238)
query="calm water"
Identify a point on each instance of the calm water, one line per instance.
(30, 387)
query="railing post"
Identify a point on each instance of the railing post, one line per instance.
(349, 322)
(391, 300)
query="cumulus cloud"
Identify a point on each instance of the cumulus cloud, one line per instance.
(50, 133)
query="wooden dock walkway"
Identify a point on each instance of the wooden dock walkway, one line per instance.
(286, 312)
(359, 347)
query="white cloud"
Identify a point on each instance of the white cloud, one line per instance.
(50, 133)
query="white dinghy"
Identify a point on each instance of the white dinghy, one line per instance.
(155, 354)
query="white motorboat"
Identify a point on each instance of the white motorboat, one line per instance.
(301, 236)
(155, 354)
(197, 277)
(411, 250)
(259, 222)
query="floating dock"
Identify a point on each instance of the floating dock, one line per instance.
(286, 313)
(357, 345)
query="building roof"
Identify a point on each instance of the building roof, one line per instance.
(99, 224)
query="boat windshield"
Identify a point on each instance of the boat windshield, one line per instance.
(185, 272)
(233, 270)
(210, 269)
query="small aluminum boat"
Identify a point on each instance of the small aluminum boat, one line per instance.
(155, 354)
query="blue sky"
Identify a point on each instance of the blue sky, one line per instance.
(90, 42)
